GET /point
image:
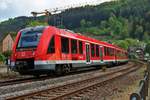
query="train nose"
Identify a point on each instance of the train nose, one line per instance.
(24, 64)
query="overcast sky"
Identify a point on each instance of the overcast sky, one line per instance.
(14, 8)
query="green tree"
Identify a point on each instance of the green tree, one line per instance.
(139, 32)
(7, 53)
(36, 23)
(146, 37)
(83, 23)
(132, 42)
(2, 57)
(122, 44)
(147, 49)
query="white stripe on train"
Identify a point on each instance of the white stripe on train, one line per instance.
(40, 62)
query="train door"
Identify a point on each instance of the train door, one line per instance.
(101, 52)
(87, 53)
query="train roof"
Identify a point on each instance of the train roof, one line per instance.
(37, 28)
(79, 36)
(71, 34)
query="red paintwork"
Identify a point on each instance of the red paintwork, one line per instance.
(41, 51)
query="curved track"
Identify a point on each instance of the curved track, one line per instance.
(34, 79)
(76, 88)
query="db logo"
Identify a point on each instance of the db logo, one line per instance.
(23, 54)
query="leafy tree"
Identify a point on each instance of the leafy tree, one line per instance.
(7, 53)
(83, 23)
(117, 20)
(146, 37)
(147, 49)
(139, 32)
(2, 57)
(128, 42)
(122, 44)
(36, 23)
(132, 42)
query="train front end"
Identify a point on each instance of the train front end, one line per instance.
(24, 50)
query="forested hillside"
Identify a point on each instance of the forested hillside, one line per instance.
(118, 19)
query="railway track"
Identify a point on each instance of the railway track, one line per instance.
(34, 79)
(75, 89)
(16, 81)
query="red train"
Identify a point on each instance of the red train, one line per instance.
(40, 50)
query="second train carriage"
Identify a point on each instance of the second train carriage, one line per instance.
(39, 50)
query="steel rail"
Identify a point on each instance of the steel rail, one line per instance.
(61, 89)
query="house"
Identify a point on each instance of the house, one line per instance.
(7, 43)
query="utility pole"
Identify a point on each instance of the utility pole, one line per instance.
(46, 13)
(58, 18)
(49, 13)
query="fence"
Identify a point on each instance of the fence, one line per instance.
(142, 92)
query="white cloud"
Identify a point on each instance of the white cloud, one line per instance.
(4, 4)
(13, 8)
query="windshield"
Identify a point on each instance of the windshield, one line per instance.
(29, 39)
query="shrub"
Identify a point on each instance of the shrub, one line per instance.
(2, 57)
(7, 53)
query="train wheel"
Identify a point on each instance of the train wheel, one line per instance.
(59, 70)
(66, 68)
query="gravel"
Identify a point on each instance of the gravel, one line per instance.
(118, 89)
(23, 88)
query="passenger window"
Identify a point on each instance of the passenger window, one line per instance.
(80, 47)
(105, 51)
(97, 51)
(51, 47)
(74, 46)
(108, 51)
(64, 45)
(111, 51)
(92, 50)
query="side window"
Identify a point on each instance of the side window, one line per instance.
(92, 50)
(105, 51)
(73, 46)
(108, 51)
(51, 47)
(64, 45)
(97, 51)
(118, 53)
(111, 51)
(80, 47)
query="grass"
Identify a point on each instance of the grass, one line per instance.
(124, 94)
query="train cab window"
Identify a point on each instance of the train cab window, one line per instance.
(97, 51)
(92, 50)
(80, 47)
(74, 46)
(64, 45)
(51, 47)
